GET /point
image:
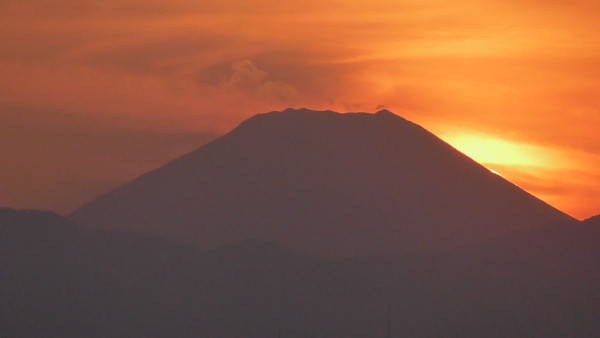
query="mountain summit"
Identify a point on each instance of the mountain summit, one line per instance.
(320, 182)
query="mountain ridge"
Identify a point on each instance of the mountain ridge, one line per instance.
(85, 282)
(325, 183)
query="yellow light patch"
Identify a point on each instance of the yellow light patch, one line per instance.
(487, 149)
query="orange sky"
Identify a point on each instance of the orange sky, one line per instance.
(94, 94)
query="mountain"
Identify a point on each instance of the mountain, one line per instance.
(324, 183)
(59, 279)
(593, 220)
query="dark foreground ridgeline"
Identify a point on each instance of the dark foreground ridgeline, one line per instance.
(59, 279)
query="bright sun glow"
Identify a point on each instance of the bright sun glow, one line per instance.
(487, 149)
(494, 172)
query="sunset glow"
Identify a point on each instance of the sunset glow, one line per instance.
(95, 94)
(489, 150)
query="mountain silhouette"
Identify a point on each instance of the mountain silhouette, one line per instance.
(59, 279)
(594, 219)
(323, 183)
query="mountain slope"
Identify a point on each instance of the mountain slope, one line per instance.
(336, 185)
(59, 279)
(593, 220)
